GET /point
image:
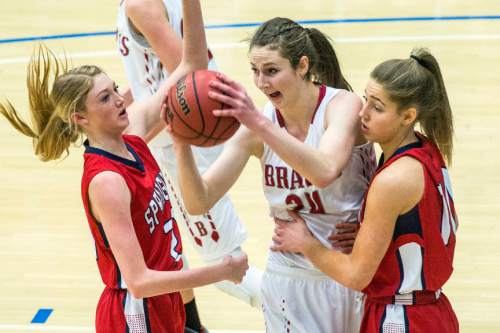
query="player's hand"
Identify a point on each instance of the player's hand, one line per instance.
(291, 236)
(164, 117)
(237, 267)
(344, 236)
(126, 93)
(237, 102)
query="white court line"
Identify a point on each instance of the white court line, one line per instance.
(340, 40)
(38, 327)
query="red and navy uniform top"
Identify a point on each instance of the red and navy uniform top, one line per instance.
(420, 255)
(150, 209)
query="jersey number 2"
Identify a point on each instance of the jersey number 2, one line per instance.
(169, 228)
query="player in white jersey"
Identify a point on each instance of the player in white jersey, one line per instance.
(149, 37)
(314, 161)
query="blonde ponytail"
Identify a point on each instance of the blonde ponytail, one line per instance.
(51, 110)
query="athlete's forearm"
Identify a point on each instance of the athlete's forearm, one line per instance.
(193, 188)
(194, 47)
(339, 266)
(152, 283)
(317, 167)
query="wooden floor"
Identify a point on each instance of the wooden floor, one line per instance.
(46, 254)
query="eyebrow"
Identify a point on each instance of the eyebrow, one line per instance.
(375, 97)
(106, 89)
(102, 91)
(265, 64)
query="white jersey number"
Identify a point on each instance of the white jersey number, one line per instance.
(168, 228)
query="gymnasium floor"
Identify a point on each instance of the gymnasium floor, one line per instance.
(46, 254)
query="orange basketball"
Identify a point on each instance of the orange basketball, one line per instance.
(190, 112)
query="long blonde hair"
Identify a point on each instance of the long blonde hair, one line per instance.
(51, 109)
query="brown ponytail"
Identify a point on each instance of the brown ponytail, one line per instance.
(294, 41)
(417, 81)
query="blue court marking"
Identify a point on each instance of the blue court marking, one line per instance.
(255, 24)
(41, 316)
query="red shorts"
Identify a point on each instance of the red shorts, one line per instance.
(392, 318)
(119, 312)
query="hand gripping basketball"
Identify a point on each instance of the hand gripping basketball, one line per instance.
(189, 112)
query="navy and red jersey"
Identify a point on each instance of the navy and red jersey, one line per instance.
(150, 208)
(420, 255)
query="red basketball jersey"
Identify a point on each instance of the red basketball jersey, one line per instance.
(405, 295)
(420, 255)
(158, 236)
(150, 207)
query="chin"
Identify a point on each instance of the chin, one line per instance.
(277, 104)
(122, 127)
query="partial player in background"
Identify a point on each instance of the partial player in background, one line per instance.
(403, 254)
(124, 194)
(149, 35)
(314, 160)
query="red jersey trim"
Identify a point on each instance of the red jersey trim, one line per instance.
(322, 93)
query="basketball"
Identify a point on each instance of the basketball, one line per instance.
(190, 114)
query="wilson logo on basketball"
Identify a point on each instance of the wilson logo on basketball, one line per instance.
(190, 111)
(181, 87)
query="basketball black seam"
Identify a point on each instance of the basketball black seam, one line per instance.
(183, 121)
(207, 138)
(220, 137)
(215, 127)
(180, 118)
(193, 83)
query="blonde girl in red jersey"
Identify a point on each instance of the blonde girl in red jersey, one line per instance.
(124, 194)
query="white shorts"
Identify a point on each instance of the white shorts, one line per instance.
(214, 234)
(301, 301)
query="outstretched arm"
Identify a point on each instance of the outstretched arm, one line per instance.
(200, 193)
(145, 115)
(110, 200)
(150, 17)
(320, 166)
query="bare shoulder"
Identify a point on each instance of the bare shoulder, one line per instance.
(343, 113)
(107, 185)
(108, 193)
(136, 8)
(346, 98)
(402, 182)
(345, 105)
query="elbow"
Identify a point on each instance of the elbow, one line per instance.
(325, 179)
(138, 285)
(137, 289)
(196, 208)
(357, 281)
(195, 205)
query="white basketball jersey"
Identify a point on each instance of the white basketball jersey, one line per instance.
(145, 73)
(322, 208)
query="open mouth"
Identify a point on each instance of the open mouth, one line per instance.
(275, 94)
(124, 112)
